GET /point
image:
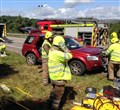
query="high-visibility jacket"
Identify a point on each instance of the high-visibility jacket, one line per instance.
(2, 47)
(44, 54)
(114, 52)
(58, 66)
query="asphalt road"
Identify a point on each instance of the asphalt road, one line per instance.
(15, 44)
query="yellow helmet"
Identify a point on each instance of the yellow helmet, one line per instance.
(114, 40)
(59, 41)
(48, 35)
(113, 35)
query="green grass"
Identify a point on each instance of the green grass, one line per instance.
(14, 72)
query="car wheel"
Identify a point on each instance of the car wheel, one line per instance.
(31, 59)
(77, 67)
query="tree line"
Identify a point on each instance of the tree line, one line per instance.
(115, 27)
(14, 23)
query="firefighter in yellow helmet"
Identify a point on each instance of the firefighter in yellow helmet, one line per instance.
(113, 52)
(113, 35)
(59, 71)
(45, 50)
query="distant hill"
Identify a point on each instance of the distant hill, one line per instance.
(111, 20)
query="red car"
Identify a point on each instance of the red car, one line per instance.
(84, 58)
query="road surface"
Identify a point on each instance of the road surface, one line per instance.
(15, 44)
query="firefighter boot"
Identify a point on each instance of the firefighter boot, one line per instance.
(57, 92)
(53, 102)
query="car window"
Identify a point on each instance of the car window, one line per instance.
(40, 42)
(29, 39)
(72, 44)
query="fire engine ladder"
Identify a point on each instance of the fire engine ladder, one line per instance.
(104, 40)
(84, 20)
(99, 40)
(94, 37)
(75, 21)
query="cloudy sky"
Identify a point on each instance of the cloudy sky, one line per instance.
(101, 9)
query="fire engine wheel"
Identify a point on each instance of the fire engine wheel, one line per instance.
(77, 67)
(31, 59)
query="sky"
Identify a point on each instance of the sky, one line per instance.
(40, 9)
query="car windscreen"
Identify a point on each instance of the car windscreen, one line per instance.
(72, 44)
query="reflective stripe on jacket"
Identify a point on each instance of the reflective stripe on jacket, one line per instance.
(114, 52)
(44, 54)
(57, 64)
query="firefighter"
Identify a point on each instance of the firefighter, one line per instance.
(2, 48)
(45, 49)
(59, 70)
(113, 35)
(113, 52)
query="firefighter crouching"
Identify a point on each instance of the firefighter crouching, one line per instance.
(59, 70)
(45, 50)
(2, 48)
(113, 52)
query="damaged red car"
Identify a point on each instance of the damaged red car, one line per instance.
(84, 58)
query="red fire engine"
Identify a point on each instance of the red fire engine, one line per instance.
(89, 32)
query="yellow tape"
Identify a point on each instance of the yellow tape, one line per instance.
(23, 92)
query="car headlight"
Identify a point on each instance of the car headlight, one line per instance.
(92, 58)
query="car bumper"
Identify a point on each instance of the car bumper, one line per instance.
(92, 65)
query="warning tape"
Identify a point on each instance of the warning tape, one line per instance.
(23, 92)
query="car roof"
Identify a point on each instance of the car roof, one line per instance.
(37, 34)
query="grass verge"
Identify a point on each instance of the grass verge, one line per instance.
(26, 83)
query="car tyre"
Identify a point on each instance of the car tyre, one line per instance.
(31, 59)
(77, 67)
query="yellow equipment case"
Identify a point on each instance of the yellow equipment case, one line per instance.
(100, 102)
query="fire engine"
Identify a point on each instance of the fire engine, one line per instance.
(87, 31)
(2, 30)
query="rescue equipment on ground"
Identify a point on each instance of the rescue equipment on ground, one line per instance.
(5, 89)
(107, 99)
(110, 91)
(91, 92)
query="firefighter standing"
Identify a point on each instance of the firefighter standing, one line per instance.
(59, 70)
(45, 50)
(113, 52)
